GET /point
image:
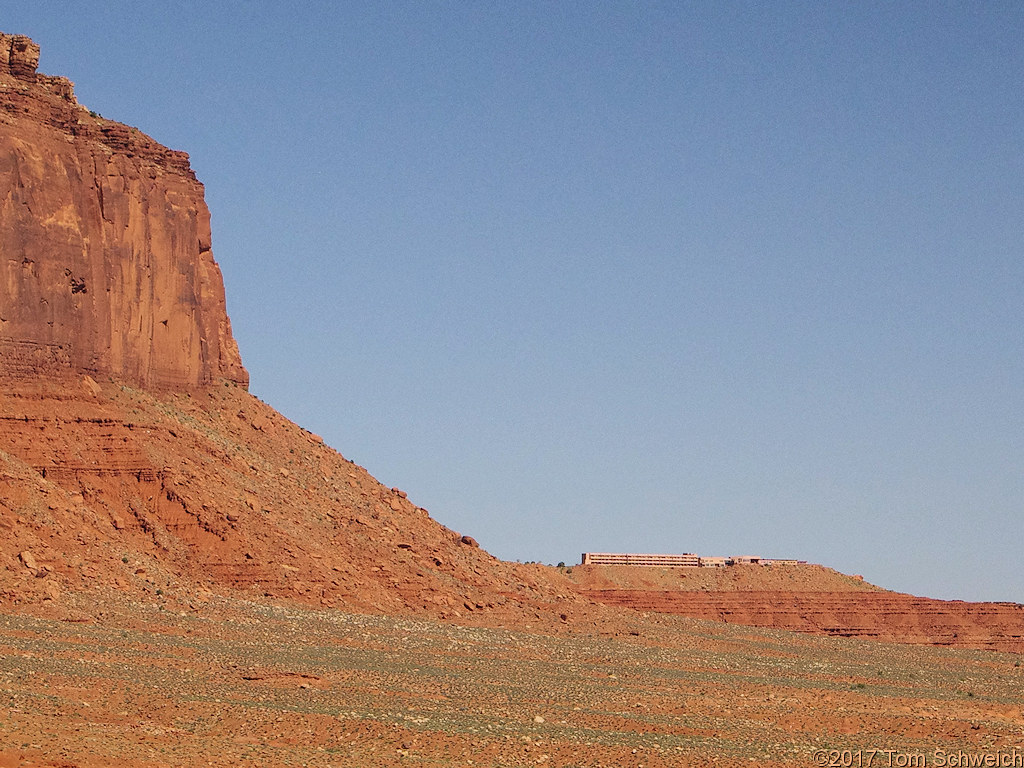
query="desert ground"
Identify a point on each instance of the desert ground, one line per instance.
(239, 682)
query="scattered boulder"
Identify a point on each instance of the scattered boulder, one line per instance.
(91, 386)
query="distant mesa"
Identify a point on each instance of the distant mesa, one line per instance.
(107, 267)
(793, 595)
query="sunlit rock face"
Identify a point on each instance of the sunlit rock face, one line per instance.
(106, 265)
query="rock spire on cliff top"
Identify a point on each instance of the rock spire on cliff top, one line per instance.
(18, 54)
(106, 265)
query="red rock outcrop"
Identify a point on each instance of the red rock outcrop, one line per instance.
(878, 615)
(105, 258)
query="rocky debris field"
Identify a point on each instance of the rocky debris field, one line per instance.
(253, 683)
(213, 491)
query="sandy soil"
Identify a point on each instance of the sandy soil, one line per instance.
(251, 683)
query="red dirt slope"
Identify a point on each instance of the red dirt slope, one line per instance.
(179, 495)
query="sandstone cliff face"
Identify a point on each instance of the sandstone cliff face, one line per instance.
(106, 266)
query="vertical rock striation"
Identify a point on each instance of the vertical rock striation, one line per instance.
(106, 265)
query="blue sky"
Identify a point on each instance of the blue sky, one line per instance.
(730, 278)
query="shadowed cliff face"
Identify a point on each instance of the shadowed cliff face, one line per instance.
(105, 258)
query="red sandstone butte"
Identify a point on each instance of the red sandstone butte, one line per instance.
(105, 268)
(106, 263)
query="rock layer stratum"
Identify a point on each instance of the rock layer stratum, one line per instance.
(106, 265)
(805, 598)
